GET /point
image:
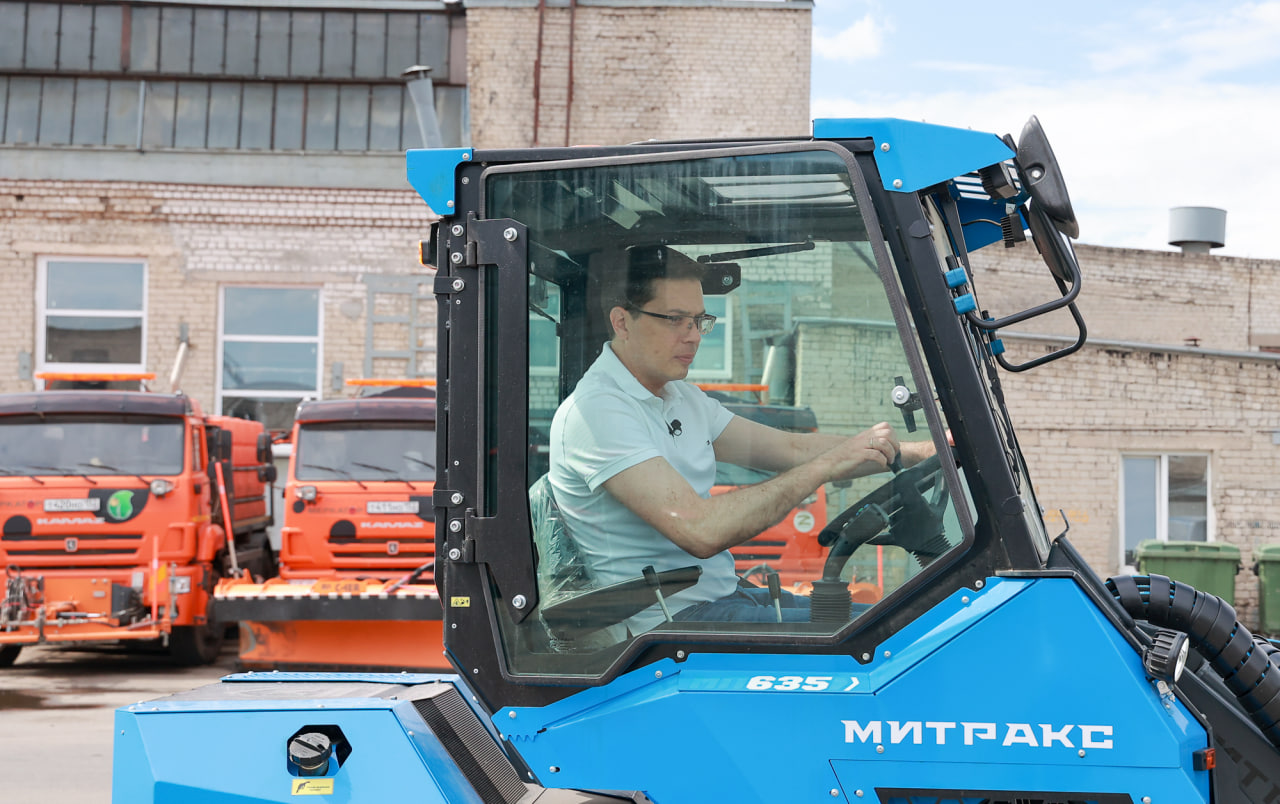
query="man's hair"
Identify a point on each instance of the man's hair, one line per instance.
(643, 266)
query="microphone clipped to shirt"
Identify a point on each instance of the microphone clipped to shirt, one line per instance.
(673, 428)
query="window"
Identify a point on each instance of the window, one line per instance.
(91, 315)
(1164, 497)
(269, 352)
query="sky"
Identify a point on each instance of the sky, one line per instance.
(1148, 105)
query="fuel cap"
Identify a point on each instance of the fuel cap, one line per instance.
(310, 752)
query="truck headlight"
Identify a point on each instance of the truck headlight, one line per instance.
(307, 493)
(161, 487)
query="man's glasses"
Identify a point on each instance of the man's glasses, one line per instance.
(683, 323)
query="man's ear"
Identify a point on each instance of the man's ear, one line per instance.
(618, 318)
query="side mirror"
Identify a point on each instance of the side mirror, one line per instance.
(267, 474)
(264, 448)
(1042, 178)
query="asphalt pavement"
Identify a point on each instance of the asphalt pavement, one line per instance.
(56, 716)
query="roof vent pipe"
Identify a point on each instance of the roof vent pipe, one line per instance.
(423, 93)
(1197, 229)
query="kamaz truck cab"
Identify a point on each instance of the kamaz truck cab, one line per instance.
(357, 551)
(121, 510)
(994, 667)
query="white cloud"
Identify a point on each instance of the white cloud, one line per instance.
(860, 41)
(1129, 155)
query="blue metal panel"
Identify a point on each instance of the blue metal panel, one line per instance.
(911, 155)
(1022, 686)
(432, 174)
(234, 748)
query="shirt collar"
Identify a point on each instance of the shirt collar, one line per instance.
(614, 369)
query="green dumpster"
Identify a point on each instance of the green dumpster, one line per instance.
(1268, 571)
(1207, 566)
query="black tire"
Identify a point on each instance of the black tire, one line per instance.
(193, 645)
(9, 654)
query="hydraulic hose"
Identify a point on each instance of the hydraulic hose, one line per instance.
(1248, 665)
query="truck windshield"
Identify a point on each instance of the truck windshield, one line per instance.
(91, 445)
(367, 451)
(803, 319)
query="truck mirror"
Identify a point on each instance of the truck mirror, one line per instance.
(1042, 178)
(264, 448)
(267, 473)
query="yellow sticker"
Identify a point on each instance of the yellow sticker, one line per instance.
(312, 787)
(460, 602)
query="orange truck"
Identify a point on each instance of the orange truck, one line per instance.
(121, 511)
(356, 587)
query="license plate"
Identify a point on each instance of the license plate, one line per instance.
(391, 507)
(76, 504)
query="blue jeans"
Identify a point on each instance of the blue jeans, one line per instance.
(747, 606)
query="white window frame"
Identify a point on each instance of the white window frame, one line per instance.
(42, 319)
(724, 321)
(1162, 495)
(220, 394)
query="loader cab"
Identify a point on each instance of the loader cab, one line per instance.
(831, 289)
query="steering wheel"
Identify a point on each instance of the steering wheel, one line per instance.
(907, 511)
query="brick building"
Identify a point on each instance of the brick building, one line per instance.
(231, 176)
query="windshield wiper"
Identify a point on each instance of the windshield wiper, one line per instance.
(337, 471)
(114, 469)
(421, 462)
(388, 471)
(763, 251)
(20, 473)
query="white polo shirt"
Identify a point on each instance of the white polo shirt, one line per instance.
(610, 423)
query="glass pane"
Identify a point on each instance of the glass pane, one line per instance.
(248, 365)
(12, 34)
(322, 118)
(242, 41)
(255, 118)
(122, 113)
(1188, 498)
(74, 43)
(175, 40)
(339, 42)
(95, 285)
(371, 37)
(271, 311)
(192, 115)
(42, 26)
(273, 43)
(289, 105)
(98, 445)
(23, 119)
(774, 245)
(353, 118)
(305, 39)
(55, 111)
(108, 21)
(384, 119)
(210, 40)
(275, 413)
(367, 451)
(159, 106)
(90, 120)
(144, 40)
(224, 115)
(1141, 486)
(90, 339)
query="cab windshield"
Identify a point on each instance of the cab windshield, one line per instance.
(805, 340)
(365, 452)
(98, 445)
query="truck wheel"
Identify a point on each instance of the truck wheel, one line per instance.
(193, 645)
(9, 654)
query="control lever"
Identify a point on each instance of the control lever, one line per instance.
(775, 592)
(651, 578)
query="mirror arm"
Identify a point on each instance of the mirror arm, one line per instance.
(1054, 355)
(1068, 297)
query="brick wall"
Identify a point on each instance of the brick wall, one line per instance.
(195, 240)
(1077, 417)
(638, 73)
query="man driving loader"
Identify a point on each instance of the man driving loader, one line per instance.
(633, 453)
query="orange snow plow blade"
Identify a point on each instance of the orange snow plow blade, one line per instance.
(334, 624)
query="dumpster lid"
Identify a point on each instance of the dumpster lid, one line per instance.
(1268, 552)
(1208, 550)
